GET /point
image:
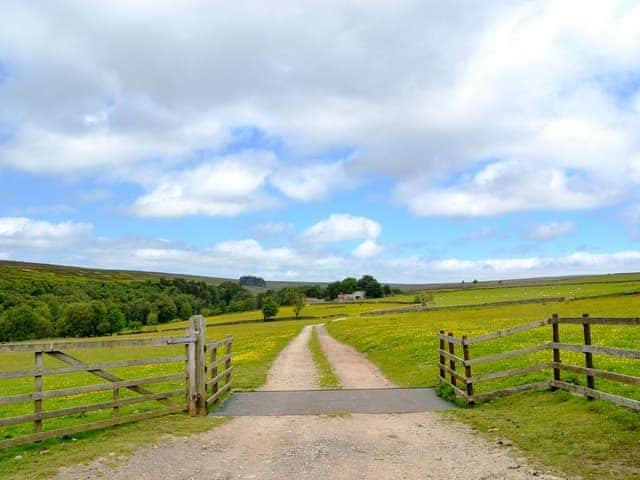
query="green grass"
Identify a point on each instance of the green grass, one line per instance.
(315, 311)
(593, 440)
(255, 347)
(569, 291)
(404, 347)
(328, 377)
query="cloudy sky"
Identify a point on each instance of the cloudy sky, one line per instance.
(416, 141)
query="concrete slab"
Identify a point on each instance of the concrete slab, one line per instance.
(319, 402)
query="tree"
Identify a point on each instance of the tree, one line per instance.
(23, 323)
(166, 308)
(115, 318)
(333, 290)
(299, 304)
(184, 307)
(138, 311)
(80, 319)
(349, 285)
(371, 286)
(269, 308)
(386, 290)
(423, 298)
(288, 296)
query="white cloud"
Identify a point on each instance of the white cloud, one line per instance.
(341, 227)
(252, 250)
(310, 182)
(534, 82)
(504, 187)
(538, 85)
(223, 187)
(368, 249)
(549, 231)
(24, 232)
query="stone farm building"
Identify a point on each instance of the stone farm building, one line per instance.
(350, 297)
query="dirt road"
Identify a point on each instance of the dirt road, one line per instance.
(407, 446)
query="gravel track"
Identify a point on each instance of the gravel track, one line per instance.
(350, 366)
(407, 446)
(294, 368)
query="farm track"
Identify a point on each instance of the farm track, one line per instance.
(409, 446)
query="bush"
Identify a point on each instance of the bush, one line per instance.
(269, 308)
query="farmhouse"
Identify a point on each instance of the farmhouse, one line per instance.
(350, 297)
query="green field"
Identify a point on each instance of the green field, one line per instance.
(571, 434)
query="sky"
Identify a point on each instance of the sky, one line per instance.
(417, 141)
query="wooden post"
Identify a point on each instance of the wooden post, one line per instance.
(467, 370)
(214, 373)
(452, 362)
(192, 392)
(556, 351)
(443, 373)
(116, 397)
(588, 356)
(201, 361)
(37, 404)
(227, 364)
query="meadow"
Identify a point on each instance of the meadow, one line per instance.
(573, 435)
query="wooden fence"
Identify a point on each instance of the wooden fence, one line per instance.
(465, 389)
(193, 397)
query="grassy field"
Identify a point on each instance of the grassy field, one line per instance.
(254, 348)
(589, 438)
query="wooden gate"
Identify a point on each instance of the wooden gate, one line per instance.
(467, 381)
(184, 389)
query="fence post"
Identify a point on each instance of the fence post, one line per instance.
(191, 370)
(588, 356)
(556, 351)
(467, 370)
(452, 362)
(37, 404)
(443, 373)
(201, 364)
(196, 367)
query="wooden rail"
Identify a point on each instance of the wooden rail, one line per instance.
(220, 382)
(448, 342)
(192, 397)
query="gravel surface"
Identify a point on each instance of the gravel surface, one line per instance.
(407, 446)
(294, 368)
(350, 366)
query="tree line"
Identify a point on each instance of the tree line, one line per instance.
(31, 309)
(85, 307)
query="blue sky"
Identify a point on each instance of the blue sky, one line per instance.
(416, 142)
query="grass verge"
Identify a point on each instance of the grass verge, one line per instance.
(328, 377)
(593, 440)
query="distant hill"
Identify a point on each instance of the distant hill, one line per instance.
(39, 271)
